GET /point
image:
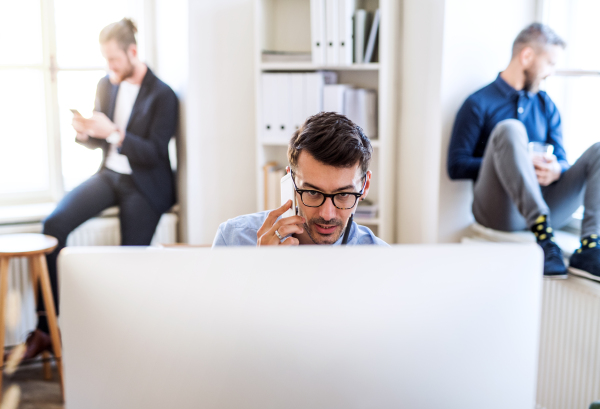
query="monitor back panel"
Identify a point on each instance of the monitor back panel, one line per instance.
(449, 326)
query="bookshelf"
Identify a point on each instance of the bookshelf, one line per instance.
(285, 26)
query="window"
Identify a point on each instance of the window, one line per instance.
(576, 88)
(50, 63)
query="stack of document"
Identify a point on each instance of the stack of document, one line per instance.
(358, 104)
(285, 56)
(288, 99)
(341, 34)
(272, 181)
(366, 211)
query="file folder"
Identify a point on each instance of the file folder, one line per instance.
(317, 28)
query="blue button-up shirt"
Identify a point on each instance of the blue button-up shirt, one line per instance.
(242, 230)
(494, 103)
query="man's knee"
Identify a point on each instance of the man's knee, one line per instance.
(55, 226)
(510, 131)
(595, 148)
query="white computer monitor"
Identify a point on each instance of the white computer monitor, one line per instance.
(434, 326)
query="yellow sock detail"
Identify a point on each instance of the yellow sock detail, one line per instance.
(542, 237)
(540, 219)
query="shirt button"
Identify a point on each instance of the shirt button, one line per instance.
(520, 110)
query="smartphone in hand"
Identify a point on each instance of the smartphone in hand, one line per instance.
(288, 193)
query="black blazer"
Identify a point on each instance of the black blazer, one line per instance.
(151, 125)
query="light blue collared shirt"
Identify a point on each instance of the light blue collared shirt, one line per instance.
(242, 230)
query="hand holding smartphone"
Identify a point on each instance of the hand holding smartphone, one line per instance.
(288, 193)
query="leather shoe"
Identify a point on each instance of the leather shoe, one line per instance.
(36, 343)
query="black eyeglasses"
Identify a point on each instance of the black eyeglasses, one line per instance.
(342, 200)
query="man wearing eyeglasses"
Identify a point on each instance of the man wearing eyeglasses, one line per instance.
(329, 160)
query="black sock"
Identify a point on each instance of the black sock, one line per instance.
(589, 242)
(43, 324)
(541, 229)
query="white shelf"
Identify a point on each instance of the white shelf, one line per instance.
(285, 25)
(276, 142)
(307, 66)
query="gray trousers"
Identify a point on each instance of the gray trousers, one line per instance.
(508, 197)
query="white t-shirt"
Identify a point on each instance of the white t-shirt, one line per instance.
(126, 97)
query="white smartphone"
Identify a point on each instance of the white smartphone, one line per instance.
(288, 193)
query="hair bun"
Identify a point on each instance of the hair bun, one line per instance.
(132, 26)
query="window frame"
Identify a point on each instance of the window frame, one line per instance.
(144, 17)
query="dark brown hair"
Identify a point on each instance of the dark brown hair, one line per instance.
(332, 139)
(123, 32)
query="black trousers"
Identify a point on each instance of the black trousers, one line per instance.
(101, 191)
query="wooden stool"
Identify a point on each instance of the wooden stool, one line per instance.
(34, 247)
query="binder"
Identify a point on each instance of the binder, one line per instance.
(361, 108)
(360, 32)
(317, 31)
(269, 98)
(370, 50)
(333, 98)
(298, 101)
(283, 107)
(313, 83)
(332, 32)
(276, 106)
(346, 9)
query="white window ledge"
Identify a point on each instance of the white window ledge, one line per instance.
(35, 213)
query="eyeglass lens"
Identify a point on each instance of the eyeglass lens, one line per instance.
(315, 199)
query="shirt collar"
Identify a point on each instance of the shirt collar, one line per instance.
(350, 235)
(508, 91)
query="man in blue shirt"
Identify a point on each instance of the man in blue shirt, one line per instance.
(329, 160)
(515, 188)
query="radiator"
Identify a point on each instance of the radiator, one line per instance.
(569, 363)
(100, 231)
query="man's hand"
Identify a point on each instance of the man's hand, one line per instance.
(98, 126)
(547, 169)
(290, 225)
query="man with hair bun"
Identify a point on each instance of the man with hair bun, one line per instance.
(329, 160)
(135, 116)
(515, 189)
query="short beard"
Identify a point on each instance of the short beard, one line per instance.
(532, 84)
(320, 220)
(128, 74)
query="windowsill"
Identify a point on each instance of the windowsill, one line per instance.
(35, 213)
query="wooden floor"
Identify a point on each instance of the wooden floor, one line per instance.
(36, 393)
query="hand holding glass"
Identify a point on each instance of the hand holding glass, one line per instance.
(540, 150)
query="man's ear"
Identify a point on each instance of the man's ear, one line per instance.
(367, 185)
(132, 50)
(526, 56)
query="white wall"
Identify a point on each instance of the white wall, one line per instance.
(169, 60)
(220, 147)
(451, 48)
(420, 121)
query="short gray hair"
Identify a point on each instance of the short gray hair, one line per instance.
(536, 34)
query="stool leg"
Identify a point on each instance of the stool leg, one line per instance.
(33, 271)
(3, 290)
(34, 278)
(46, 364)
(42, 271)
